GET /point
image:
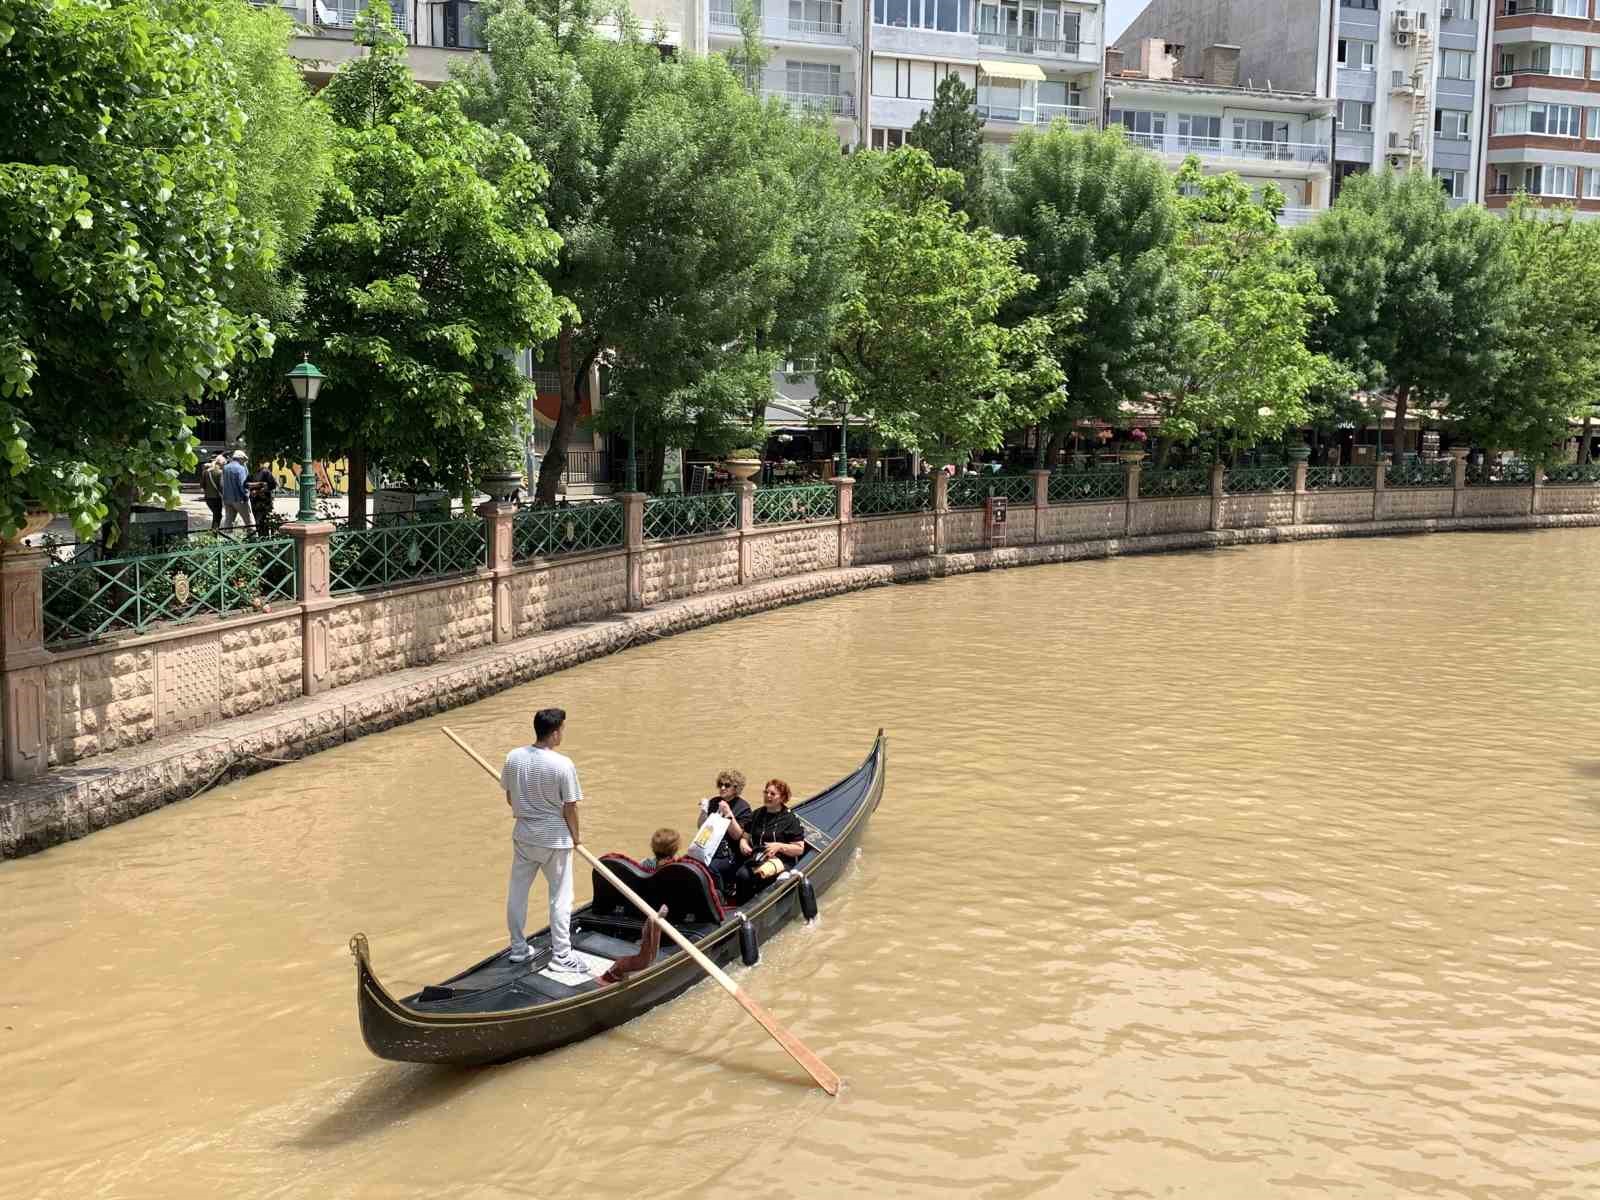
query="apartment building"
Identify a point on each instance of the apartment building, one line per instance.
(1407, 77)
(1544, 135)
(1179, 102)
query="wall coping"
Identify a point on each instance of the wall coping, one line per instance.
(286, 610)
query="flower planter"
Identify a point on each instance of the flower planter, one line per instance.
(1299, 454)
(501, 485)
(742, 468)
(1131, 456)
(34, 519)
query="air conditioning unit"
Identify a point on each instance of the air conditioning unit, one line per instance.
(1404, 22)
(1402, 39)
(1501, 81)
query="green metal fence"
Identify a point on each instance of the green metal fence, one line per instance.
(970, 491)
(1190, 481)
(687, 516)
(1516, 474)
(404, 553)
(548, 532)
(892, 496)
(1328, 479)
(1246, 481)
(85, 601)
(1439, 472)
(804, 502)
(1069, 487)
(1573, 473)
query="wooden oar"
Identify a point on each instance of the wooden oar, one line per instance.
(819, 1071)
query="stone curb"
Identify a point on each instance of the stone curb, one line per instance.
(75, 800)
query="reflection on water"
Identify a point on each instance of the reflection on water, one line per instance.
(1237, 874)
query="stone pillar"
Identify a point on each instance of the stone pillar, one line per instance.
(497, 534)
(1219, 478)
(22, 661)
(844, 498)
(1300, 493)
(1536, 490)
(1041, 501)
(1459, 483)
(1380, 485)
(746, 525)
(633, 542)
(1131, 497)
(941, 505)
(313, 566)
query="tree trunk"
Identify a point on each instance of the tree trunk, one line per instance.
(655, 467)
(358, 487)
(555, 459)
(1402, 402)
(1163, 450)
(1583, 444)
(1052, 452)
(872, 458)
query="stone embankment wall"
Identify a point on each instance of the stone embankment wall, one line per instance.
(168, 711)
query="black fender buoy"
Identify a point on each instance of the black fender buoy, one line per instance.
(749, 951)
(808, 900)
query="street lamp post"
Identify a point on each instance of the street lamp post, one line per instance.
(633, 442)
(307, 382)
(844, 440)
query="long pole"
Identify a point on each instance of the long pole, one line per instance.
(844, 440)
(820, 1072)
(633, 444)
(308, 483)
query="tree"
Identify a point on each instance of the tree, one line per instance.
(951, 132)
(1240, 361)
(1419, 289)
(119, 185)
(685, 225)
(421, 273)
(917, 349)
(1098, 221)
(1551, 366)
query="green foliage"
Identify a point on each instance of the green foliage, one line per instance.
(1551, 362)
(1240, 361)
(951, 133)
(917, 349)
(1098, 220)
(120, 195)
(421, 270)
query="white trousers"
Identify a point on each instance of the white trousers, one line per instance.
(239, 509)
(526, 863)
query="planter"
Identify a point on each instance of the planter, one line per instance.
(1131, 456)
(742, 469)
(34, 519)
(1459, 453)
(1299, 454)
(501, 485)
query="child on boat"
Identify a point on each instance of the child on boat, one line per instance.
(663, 848)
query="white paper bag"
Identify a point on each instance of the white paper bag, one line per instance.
(708, 838)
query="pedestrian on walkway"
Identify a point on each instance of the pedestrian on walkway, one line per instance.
(542, 792)
(236, 491)
(211, 487)
(262, 486)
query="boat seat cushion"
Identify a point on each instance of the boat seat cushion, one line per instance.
(683, 885)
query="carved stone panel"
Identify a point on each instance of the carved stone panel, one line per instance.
(188, 685)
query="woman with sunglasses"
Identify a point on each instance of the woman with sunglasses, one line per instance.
(731, 804)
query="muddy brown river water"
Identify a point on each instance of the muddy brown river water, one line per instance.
(1269, 872)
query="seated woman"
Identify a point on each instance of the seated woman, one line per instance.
(773, 838)
(663, 848)
(729, 802)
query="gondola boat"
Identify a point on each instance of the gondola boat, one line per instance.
(497, 1010)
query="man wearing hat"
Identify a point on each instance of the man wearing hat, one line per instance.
(235, 492)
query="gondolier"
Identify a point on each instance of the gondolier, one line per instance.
(541, 787)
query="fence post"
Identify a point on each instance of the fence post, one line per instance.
(497, 535)
(1219, 479)
(1130, 492)
(1041, 501)
(1300, 492)
(844, 488)
(313, 581)
(941, 505)
(633, 544)
(1380, 485)
(745, 524)
(1459, 483)
(22, 660)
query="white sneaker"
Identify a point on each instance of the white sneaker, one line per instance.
(521, 956)
(570, 965)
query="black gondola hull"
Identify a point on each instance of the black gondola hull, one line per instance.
(405, 1032)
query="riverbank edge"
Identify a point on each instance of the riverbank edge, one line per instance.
(75, 800)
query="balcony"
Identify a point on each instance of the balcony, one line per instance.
(1290, 217)
(341, 15)
(1178, 146)
(807, 95)
(829, 28)
(1067, 50)
(1077, 115)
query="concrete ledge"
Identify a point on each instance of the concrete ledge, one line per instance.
(72, 801)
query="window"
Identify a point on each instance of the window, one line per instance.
(1355, 116)
(1566, 61)
(1559, 8)
(889, 139)
(1591, 184)
(1550, 179)
(1357, 54)
(1451, 124)
(1254, 136)
(1502, 184)
(912, 79)
(816, 16)
(1200, 132)
(1453, 182)
(1466, 10)
(812, 79)
(1549, 120)
(1144, 128)
(947, 16)
(1455, 64)
(1369, 5)
(1592, 129)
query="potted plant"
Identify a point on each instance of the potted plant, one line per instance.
(1299, 453)
(743, 463)
(500, 482)
(1132, 449)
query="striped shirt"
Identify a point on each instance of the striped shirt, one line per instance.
(540, 781)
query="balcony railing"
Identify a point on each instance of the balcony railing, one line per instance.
(832, 30)
(1290, 217)
(1207, 147)
(1016, 43)
(342, 14)
(834, 104)
(1043, 114)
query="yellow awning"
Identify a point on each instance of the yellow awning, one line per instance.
(1009, 70)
